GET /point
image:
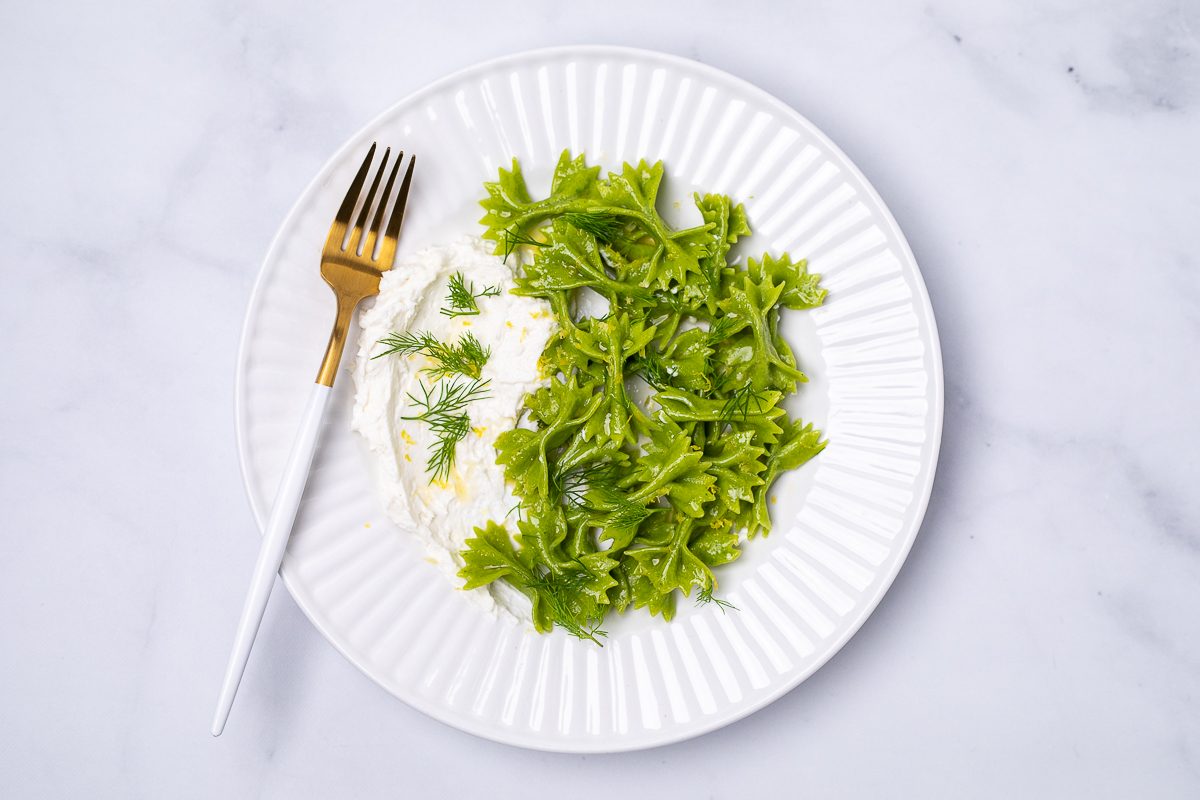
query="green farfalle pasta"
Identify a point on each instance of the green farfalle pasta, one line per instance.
(648, 458)
(800, 289)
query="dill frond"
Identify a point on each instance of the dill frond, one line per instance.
(654, 370)
(574, 485)
(625, 514)
(705, 596)
(719, 330)
(555, 590)
(602, 225)
(514, 239)
(405, 344)
(466, 357)
(741, 404)
(461, 298)
(442, 409)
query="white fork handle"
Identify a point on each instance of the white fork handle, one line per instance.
(274, 543)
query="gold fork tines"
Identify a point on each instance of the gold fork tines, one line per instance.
(349, 264)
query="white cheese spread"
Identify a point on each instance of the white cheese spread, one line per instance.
(444, 514)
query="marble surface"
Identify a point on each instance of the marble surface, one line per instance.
(1043, 639)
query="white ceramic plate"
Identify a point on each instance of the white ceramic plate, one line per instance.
(843, 523)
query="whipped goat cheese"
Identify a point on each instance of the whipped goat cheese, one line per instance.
(444, 514)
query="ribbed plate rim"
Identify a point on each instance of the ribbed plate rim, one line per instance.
(921, 302)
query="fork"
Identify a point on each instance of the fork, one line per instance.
(353, 270)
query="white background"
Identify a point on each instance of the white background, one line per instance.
(1043, 639)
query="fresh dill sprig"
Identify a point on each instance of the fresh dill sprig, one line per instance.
(594, 488)
(602, 225)
(450, 430)
(572, 486)
(462, 297)
(467, 357)
(623, 514)
(705, 596)
(739, 404)
(404, 344)
(554, 590)
(442, 409)
(654, 370)
(447, 397)
(514, 239)
(719, 330)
